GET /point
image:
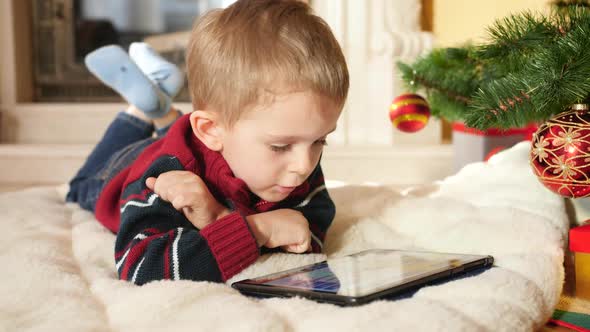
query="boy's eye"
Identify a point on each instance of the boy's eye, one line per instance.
(280, 148)
(287, 147)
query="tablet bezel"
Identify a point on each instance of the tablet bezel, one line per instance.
(263, 290)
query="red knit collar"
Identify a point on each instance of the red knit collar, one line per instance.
(220, 179)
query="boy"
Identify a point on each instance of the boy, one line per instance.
(241, 172)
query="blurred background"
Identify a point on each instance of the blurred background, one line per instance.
(52, 110)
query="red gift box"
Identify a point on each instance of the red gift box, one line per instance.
(580, 239)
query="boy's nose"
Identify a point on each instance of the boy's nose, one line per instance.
(303, 163)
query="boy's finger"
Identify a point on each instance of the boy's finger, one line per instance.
(161, 187)
(165, 182)
(150, 183)
(296, 248)
(179, 202)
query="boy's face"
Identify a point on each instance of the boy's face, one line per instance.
(275, 147)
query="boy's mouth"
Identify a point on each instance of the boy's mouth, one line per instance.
(284, 190)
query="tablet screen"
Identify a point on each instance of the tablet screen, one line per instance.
(366, 272)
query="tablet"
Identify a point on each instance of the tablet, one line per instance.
(365, 276)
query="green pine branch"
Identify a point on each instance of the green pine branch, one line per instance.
(532, 67)
(553, 77)
(449, 78)
(514, 37)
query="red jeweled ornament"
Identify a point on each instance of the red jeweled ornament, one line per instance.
(560, 152)
(409, 112)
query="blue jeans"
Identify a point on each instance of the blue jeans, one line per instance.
(125, 138)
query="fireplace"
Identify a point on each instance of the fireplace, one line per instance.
(64, 31)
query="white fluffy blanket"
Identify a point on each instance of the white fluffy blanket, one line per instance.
(58, 271)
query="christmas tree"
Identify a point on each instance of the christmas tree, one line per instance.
(532, 67)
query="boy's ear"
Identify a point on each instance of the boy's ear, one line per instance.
(208, 129)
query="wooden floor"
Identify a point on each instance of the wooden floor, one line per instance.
(14, 187)
(569, 301)
(553, 328)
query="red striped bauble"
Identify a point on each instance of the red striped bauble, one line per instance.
(409, 113)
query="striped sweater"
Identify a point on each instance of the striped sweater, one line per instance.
(155, 241)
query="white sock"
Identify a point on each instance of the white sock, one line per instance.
(113, 66)
(166, 75)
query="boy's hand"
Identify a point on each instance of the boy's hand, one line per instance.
(285, 228)
(189, 194)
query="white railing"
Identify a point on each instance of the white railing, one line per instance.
(374, 35)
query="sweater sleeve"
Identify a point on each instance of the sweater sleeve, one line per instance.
(318, 208)
(155, 241)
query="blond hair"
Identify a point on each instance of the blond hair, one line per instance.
(236, 54)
